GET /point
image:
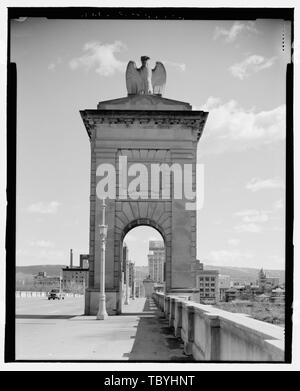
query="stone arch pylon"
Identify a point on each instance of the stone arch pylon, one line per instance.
(146, 129)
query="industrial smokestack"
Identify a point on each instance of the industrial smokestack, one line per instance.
(71, 258)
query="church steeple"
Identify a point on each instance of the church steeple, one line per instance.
(261, 278)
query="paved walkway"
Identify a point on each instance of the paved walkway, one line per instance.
(141, 333)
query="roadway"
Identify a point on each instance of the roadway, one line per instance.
(36, 306)
(58, 330)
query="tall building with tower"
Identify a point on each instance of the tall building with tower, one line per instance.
(262, 277)
(156, 260)
(267, 282)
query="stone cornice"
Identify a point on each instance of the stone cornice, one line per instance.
(191, 119)
(143, 102)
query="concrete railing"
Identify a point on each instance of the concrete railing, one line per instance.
(41, 294)
(30, 294)
(210, 334)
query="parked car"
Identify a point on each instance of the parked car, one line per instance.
(56, 294)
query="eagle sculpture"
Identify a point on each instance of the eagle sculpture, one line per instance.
(145, 80)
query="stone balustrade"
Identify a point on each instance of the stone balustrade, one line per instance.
(21, 294)
(211, 334)
(30, 294)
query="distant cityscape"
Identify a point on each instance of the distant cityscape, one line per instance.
(211, 286)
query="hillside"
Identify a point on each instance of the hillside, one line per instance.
(236, 273)
(246, 274)
(25, 273)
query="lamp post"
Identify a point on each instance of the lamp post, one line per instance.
(102, 314)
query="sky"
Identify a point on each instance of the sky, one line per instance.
(234, 70)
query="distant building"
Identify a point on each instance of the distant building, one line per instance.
(278, 295)
(132, 279)
(267, 283)
(237, 283)
(272, 282)
(197, 267)
(84, 261)
(246, 291)
(262, 298)
(41, 280)
(76, 277)
(40, 276)
(232, 294)
(251, 290)
(224, 285)
(131, 273)
(262, 279)
(156, 260)
(128, 289)
(207, 281)
(140, 274)
(124, 260)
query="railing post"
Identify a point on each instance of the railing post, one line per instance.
(167, 306)
(172, 312)
(190, 334)
(178, 318)
(212, 351)
(161, 302)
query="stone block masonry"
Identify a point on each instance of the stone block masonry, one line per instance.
(210, 334)
(145, 129)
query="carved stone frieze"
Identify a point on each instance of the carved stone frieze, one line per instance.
(149, 119)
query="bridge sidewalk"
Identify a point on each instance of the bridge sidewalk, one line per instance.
(141, 333)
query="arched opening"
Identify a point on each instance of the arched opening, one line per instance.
(143, 264)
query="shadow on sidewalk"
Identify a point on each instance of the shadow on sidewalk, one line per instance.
(27, 316)
(148, 310)
(154, 340)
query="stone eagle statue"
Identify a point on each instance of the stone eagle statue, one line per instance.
(145, 80)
